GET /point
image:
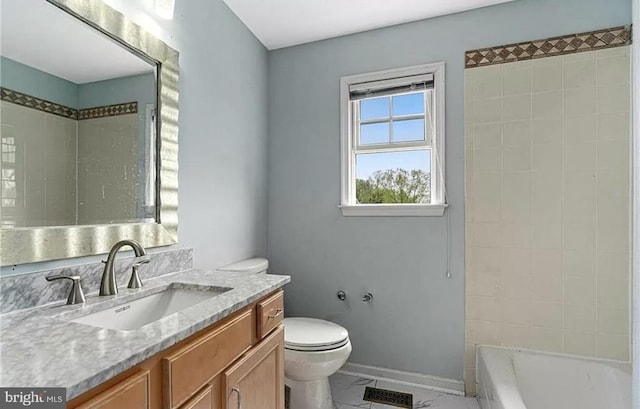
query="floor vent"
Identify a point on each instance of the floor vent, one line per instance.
(393, 398)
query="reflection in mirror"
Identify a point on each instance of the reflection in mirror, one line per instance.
(78, 123)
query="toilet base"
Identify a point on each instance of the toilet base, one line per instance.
(310, 394)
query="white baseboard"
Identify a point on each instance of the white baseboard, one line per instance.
(417, 380)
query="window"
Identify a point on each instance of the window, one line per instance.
(392, 142)
(9, 188)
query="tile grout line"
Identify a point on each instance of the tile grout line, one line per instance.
(501, 295)
(630, 214)
(597, 221)
(531, 197)
(562, 208)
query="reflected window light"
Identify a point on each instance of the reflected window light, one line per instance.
(8, 150)
(164, 8)
(8, 188)
(142, 13)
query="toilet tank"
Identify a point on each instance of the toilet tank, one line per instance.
(256, 265)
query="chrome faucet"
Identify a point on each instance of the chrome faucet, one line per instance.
(108, 285)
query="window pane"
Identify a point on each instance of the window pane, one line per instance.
(374, 133)
(412, 130)
(374, 108)
(394, 177)
(408, 104)
(8, 174)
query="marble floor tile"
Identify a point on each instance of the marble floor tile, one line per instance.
(447, 401)
(349, 390)
(337, 405)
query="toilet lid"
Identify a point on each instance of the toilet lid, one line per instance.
(311, 334)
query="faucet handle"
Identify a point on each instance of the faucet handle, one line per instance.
(76, 296)
(134, 281)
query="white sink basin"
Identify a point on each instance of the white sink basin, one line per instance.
(134, 314)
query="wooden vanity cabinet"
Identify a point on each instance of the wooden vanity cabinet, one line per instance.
(242, 354)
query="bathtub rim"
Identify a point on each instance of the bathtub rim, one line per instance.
(503, 373)
(500, 371)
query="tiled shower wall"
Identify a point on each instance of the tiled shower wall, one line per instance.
(548, 205)
(108, 169)
(38, 167)
(61, 171)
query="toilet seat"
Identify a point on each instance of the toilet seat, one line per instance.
(313, 335)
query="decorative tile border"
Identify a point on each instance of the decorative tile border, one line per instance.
(19, 98)
(568, 44)
(109, 110)
(29, 101)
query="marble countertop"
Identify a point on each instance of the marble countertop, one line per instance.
(40, 347)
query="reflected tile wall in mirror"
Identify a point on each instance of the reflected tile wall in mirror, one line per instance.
(78, 123)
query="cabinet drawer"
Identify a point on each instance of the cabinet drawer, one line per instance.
(132, 393)
(192, 366)
(270, 313)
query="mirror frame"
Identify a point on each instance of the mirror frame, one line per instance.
(34, 244)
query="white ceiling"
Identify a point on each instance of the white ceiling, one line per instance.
(283, 23)
(38, 34)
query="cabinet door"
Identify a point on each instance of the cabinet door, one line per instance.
(257, 380)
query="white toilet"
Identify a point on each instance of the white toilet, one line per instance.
(314, 350)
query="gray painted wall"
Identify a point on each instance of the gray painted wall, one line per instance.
(140, 88)
(31, 81)
(223, 137)
(635, 344)
(416, 322)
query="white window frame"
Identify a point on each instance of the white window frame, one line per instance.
(348, 204)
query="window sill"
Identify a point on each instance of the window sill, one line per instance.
(394, 210)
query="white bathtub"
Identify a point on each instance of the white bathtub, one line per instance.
(518, 379)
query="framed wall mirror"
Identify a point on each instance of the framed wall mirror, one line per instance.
(89, 131)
